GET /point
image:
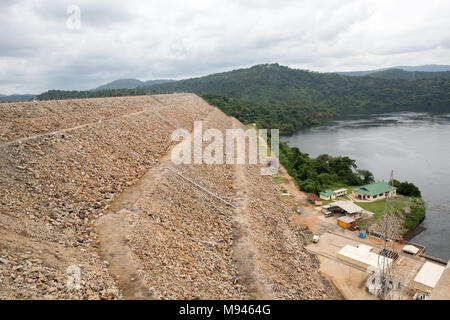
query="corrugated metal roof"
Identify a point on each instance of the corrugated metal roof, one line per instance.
(374, 188)
(327, 192)
(348, 206)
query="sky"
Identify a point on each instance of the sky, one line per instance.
(43, 44)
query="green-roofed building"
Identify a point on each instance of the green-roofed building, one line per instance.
(374, 191)
(327, 195)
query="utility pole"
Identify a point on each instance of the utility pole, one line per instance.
(389, 234)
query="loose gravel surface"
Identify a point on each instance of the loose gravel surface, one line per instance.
(85, 187)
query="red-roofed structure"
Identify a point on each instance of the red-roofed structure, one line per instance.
(314, 199)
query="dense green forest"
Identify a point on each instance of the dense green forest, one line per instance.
(407, 189)
(317, 174)
(288, 118)
(272, 84)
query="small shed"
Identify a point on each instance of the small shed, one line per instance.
(346, 222)
(314, 199)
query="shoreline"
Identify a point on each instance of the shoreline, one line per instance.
(411, 234)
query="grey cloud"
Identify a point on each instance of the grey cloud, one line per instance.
(176, 39)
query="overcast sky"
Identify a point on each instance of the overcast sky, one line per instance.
(41, 47)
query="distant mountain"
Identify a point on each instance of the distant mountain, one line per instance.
(409, 75)
(16, 97)
(358, 73)
(129, 84)
(121, 84)
(424, 68)
(150, 83)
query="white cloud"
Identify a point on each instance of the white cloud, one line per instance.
(176, 39)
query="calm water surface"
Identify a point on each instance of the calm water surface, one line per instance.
(415, 145)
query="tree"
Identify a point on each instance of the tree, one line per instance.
(366, 176)
(407, 189)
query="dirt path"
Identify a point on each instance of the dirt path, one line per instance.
(115, 230)
(244, 248)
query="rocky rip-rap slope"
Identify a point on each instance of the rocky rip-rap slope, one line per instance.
(91, 207)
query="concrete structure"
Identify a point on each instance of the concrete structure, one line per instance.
(362, 256)
(442, 289)
(343, 207)
(327, 195)
(428, 276)
(374, 191)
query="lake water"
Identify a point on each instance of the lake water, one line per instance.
(415, 145)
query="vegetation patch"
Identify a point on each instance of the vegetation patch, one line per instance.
(280, 180)
(324, 172)
(407, 189)
(415, 215)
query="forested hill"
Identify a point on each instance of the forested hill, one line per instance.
(274, 84)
